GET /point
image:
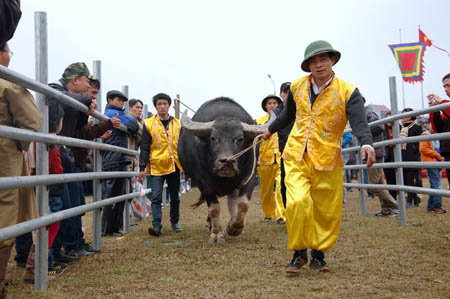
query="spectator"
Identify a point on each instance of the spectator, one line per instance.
(115, 161)
(410, 152)
(75, 82)
(55, 117)
(389, 151)
(17, 109)
(320, 104)
(389, 206)
(159, 158)
(428, 153)
(440, 121)
(268, 165)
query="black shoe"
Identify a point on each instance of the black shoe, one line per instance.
(296, 263)
(281, 221)
(88, 248)
(267, 219)
(176, 228)
(64, 258)
(21, 265)
(157, 232)
(319, 265)
(80, 252)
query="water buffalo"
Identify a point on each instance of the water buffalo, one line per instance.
(218, 130)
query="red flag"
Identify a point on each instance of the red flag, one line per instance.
(423, 38)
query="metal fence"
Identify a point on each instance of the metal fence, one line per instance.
(42, 178)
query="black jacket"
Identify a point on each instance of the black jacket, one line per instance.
(442, 125)
(376, 131)
(283, 134)
(118, 138)
(412, 152)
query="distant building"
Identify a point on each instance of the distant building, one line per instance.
(381, 110)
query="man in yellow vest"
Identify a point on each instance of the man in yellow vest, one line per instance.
(321, 105)
(159, 157)
(269, 166)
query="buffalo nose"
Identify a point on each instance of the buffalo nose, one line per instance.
(223, 161)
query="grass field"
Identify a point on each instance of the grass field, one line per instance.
(374, 257)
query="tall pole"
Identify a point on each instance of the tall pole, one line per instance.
(397, 150)
(125, 92)
(41, 56)
(126, 211)
(97, 184)
(403, 83)
(273, 83)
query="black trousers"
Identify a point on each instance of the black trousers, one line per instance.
(412, 178)
(112, 217)
(447, 158)
(283, 185)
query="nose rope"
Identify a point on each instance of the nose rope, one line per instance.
(255, 143)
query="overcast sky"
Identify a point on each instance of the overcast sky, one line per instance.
(205, 49)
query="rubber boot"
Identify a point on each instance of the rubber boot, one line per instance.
(4, 257)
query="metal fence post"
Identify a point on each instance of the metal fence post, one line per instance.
(397, 150)
(362, 192)
(41, 72)
(144, 206)
(97, 167)
(126, 210)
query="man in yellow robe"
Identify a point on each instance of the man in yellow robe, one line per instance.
(321, 105)
(269, 166)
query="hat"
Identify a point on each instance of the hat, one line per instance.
(115, 93)
(316, 48)
(10, 14)
(270, 96)
(75, 70)
(285, 86)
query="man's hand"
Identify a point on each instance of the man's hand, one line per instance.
(369, 154)
(116, 121)
(267, 134)
(106, 135)
(141, 176)
(433, 99)
(92, 107)
(442, 159)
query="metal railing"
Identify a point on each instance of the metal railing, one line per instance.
(42, 178)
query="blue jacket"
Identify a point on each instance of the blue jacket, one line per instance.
(118, 138)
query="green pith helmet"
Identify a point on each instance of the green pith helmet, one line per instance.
(318, 47)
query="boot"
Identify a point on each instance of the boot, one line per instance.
(28, 275)
(4, 257)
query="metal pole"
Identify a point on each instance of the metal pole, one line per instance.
(97, 166)
(401, 74)
(397, 150)
(273, 83)
(176, 106)
(362, 192)
(421, 92)
(144, 198)
(125, 92)
(41, 69)
(126, 210)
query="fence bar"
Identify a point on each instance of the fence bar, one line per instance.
(412, 139)
(97, 167)
(41, 69)
(421, 190)
(402, 164)
(48, 179)
(126, 209)
(26, 135)
(27, 226)
(397, 150)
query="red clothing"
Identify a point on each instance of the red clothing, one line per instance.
(445, 114)
(54, 160)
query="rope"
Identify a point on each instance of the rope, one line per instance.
(255, 143)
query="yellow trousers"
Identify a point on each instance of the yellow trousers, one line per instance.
(280, 211)
(267, 175)
(313, 205)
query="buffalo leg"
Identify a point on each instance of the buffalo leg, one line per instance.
(216, 230)
(238, 207)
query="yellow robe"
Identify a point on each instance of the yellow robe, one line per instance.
(313, 176)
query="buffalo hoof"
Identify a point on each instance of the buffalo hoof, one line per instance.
(234, 229)
(219, 238)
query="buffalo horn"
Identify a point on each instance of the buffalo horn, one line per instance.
(196, 128)
(254, 130)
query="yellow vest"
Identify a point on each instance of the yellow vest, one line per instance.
(163, 150)
(319, 128)
(269, 151)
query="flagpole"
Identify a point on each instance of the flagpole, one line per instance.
(421, 87)
(403, 83)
